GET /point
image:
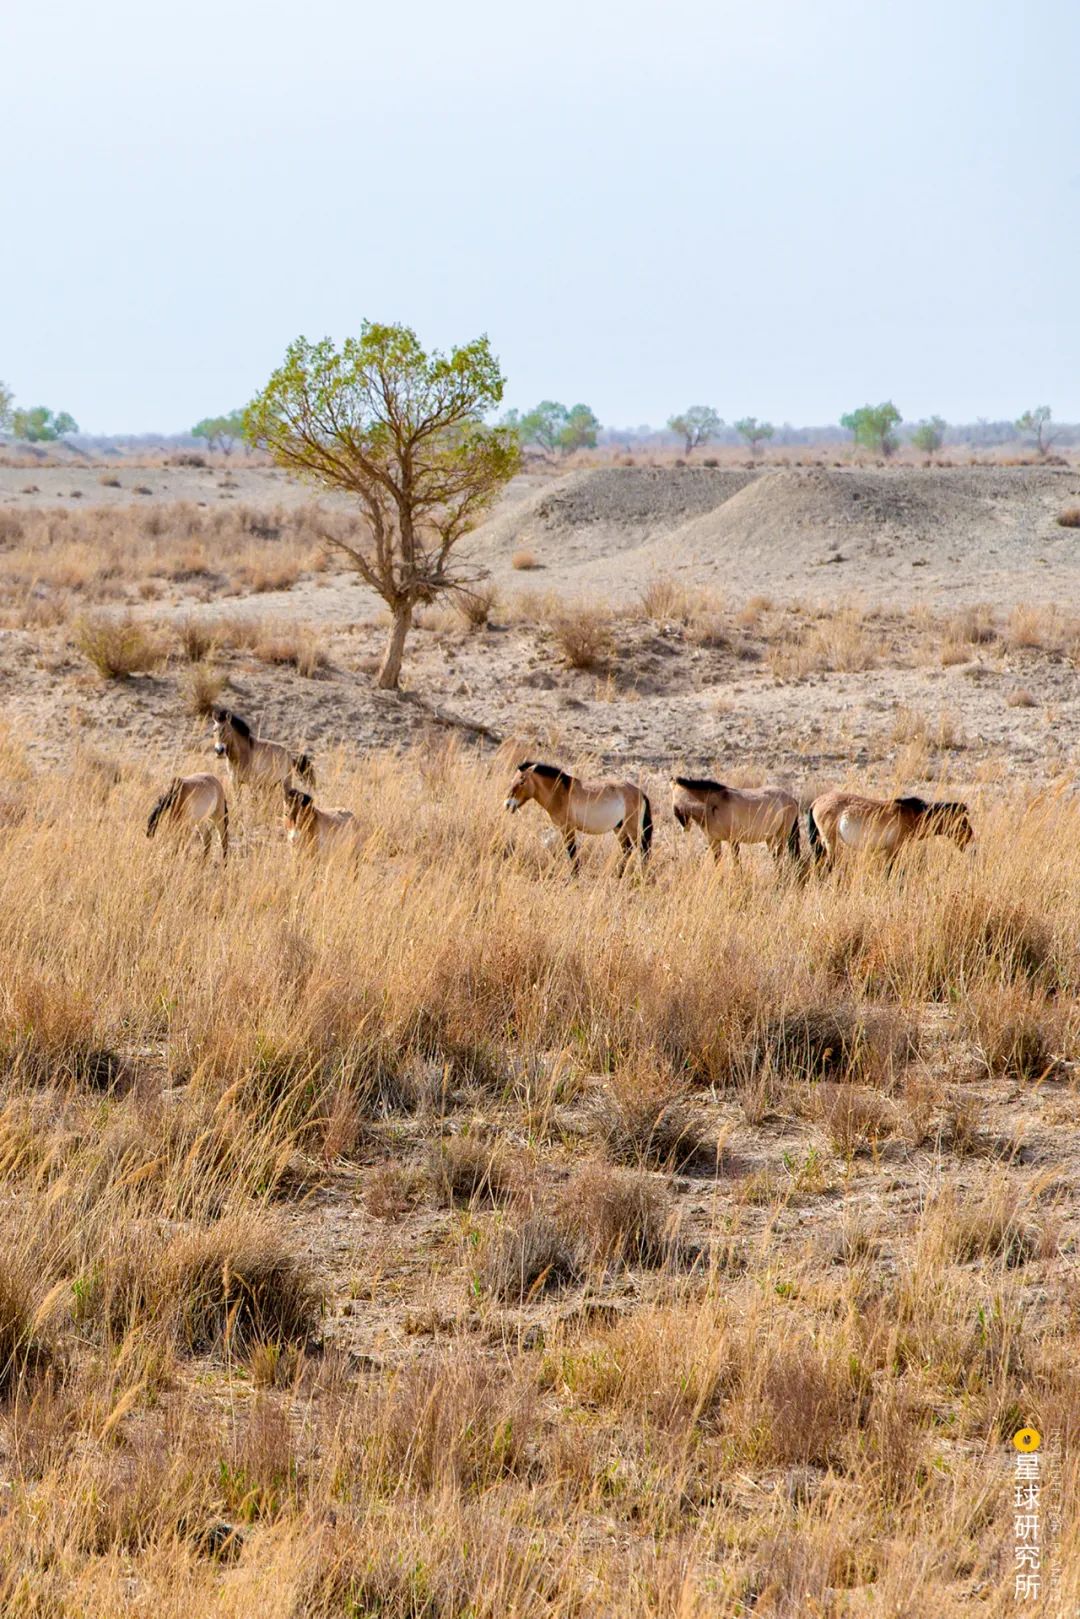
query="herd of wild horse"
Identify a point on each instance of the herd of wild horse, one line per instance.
(733, 815)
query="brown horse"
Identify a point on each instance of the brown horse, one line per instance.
(252, 758)
(735, 815)
(316, 830)
(195, 802)
(848, 820)
(593, 808)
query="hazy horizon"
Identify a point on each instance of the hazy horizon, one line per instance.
(783, 214)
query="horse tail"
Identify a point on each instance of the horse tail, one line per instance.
(304, 765)
(646, 827)
(166, 802)
(793, 844)
(813, 833)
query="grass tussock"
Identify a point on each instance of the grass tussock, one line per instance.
(117, 647)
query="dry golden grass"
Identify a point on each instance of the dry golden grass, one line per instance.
(117, 553)
(315, 1299)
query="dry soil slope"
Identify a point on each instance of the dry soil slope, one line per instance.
(985, 532)
(600, 511)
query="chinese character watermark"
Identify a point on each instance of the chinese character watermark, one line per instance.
(1027, 1483)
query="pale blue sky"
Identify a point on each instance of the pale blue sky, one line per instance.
(783, 209)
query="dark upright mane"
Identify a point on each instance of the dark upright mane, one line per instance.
(296, 798)
(225, 716)
(699, 784)
(912, 805)
(549, 772)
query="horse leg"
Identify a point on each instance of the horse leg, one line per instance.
(571, 847)
(205, 837)
(626, 846)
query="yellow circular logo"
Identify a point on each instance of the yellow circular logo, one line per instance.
(1027, 1440)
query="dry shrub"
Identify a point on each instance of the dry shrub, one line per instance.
(618, 1217)
(812, 1397)
(457, 1422)
(524, 561)
(975, 626)
(198, 638)
(391, 1190)
(855, 1119)
(463, 1167)
(117, 647)
(1021, 697)
(644, 1120)
(1017, 1034)
(1028, 627)
(202, 686)
(475, 607)
(49, 1035)
(991, 1225)
(238, 1283)
(297, 647)
(840, 642)
(1070, 517)
(521, 1257)
(834, 1042)
(585, 636)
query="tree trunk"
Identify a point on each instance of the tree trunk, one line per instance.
(390, 672)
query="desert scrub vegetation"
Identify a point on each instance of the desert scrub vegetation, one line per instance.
(439, 1237)
(112, 554)
(117, 647)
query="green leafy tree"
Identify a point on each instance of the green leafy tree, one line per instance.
(754, 432)
(579, 431)
(7, 408)
(929, 436)
(403, 432)
(544, 425)
(696, 426)
(874, 426)
(40, 426)
(221, 432)
(1037, 422)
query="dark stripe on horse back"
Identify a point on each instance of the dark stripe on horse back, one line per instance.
(550, 772)
(700, 784)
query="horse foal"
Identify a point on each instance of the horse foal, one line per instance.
(593, 808)
(735, 815)
(197, 802)
(317, 830)
(839, 820)
(252, 758)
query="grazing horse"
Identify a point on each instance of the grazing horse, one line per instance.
(197, 802)
(735, 815)
(576, 806)
(251, 758)
(848, 820)
(313, 829)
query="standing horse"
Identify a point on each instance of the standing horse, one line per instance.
(253, 759)
(735, 815)
(197, 802)
(848, 820)
(313, 829)
(576, 806)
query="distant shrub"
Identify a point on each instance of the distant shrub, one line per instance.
(524, 561)
(1070, 518)
(584, 636)
(117, 647)
(475, 607)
